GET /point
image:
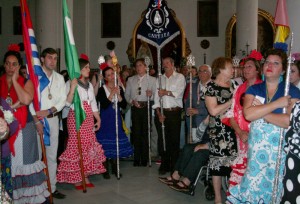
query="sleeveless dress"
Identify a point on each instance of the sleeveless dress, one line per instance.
(223, 147)
(106, 135)
(257, 183)
(291, 179)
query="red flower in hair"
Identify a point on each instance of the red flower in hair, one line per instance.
(14, 47)
(255, 55)
(84, 56)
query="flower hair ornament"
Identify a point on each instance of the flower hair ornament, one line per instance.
(296, 56)
(84, 56)
(14, 47)
(255, 55)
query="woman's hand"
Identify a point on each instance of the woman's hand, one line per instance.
(16, 74)
(243, 136)
(192, 111)
(3, 126)
(283, 102)
(74, 83)
(97, 125)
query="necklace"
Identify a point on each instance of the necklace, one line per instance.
(267, 94)
(8, 98)
(49, 89)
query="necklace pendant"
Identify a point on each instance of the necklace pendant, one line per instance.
(9, 100)
(49, 96)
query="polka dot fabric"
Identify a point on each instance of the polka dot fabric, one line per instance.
(92, 152)
(291, 181)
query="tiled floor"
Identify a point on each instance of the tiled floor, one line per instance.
(137, 185)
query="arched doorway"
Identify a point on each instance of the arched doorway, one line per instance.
(265, 37)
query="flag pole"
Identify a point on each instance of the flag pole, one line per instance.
(46, 171)
(147, 62)
(115, 62)
(161, 99)
(190, 64)
(81, 162)
(286, 92)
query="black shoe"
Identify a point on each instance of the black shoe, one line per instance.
(136, 163)
(144, 163)
(58, 195)
(106, 175)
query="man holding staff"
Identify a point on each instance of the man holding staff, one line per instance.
(138, 89)
(171, 90)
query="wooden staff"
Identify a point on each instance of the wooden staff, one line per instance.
(46, 171)
(286, 92)
(81, 162)
(115, 62)
(147, 62)
(190, 64)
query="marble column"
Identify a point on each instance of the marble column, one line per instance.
(246, 27)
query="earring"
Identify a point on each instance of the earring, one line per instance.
(281, 78)
(263, 77)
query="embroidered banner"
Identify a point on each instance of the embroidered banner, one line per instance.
(158, 26)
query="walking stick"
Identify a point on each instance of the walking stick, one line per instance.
(161, 99)
(46, 164)
(190, 64)
(147, 62)
(81, 162)
(115, 62)
(286, 91)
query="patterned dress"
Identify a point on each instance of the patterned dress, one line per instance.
(69, 170)
(106, 135)
(257, 183)
(291, 180)
(240, 163)
(223, 147)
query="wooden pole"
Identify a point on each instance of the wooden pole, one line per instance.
(81, 162)
(46, 171)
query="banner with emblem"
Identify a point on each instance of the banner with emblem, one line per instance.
(158, 26)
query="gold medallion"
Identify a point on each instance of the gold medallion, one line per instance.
(50, 96)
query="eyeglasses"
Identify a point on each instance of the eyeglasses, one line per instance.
(275, 64)
(13, 64)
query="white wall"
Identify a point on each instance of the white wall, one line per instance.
(86, 18)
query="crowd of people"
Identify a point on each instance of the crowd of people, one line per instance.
(235, 126)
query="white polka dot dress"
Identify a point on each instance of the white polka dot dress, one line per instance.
(291, 181)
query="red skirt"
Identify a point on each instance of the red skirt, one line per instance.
(93, 155)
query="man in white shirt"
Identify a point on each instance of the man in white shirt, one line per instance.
(171, 90)
(53, 99)
(138, 88)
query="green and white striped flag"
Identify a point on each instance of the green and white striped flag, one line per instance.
(72, 63)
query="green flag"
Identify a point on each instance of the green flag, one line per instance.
(72, 63)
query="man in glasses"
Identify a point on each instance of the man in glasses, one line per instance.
(138, 88)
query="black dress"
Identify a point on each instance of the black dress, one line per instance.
(223, 146)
